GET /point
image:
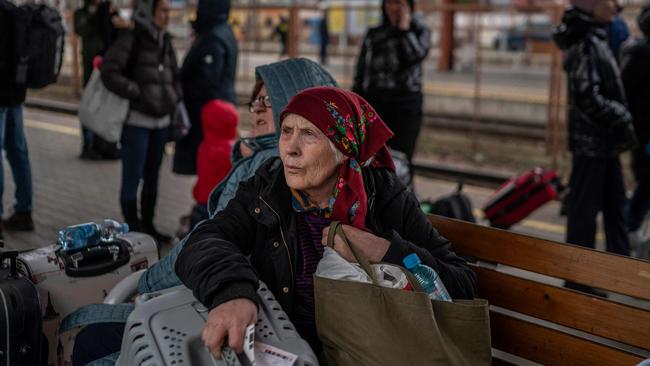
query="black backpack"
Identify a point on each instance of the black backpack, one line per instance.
(41, 46)
(456, 206)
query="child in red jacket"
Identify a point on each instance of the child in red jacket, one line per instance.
(219, 123)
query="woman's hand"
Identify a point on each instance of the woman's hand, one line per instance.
(370, 245)
(229, 319)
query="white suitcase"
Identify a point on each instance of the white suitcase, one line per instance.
(67, 282)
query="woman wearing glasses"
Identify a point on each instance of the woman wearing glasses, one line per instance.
(275, 85)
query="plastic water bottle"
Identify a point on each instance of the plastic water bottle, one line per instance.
(427, 277)
(110, 229)
(90, 234)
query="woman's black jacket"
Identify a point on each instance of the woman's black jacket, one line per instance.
(144, 70)
(260, 222)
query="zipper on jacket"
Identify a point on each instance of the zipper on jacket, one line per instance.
(284, 242)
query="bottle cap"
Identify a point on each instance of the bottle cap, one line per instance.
(411, 261)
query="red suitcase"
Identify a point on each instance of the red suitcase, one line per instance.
(520, 196)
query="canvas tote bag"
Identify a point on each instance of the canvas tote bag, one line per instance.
(102, 111)
(366, 324)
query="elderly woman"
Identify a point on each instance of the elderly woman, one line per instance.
(333, 165)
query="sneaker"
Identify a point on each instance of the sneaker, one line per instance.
(20, 221)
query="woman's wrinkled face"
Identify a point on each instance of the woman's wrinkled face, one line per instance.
(309, 163)
(261, 116)
(161, 14)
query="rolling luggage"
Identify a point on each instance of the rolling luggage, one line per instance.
(68, 281)
(520, 196)
(20, 316)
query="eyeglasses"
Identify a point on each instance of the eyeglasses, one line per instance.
(260, 103)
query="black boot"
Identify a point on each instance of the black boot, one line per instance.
(147, 208)
(130, 212)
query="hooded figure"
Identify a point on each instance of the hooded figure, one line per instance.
(208, 73)
(600, 126)
(389, 72)
(635, 73)
(282, 81)
(219, 120)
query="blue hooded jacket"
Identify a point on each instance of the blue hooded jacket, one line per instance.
(282, 80)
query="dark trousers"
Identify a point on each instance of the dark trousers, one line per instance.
(97, 341)
(639, 204)
(142, 154)
(403, 115)
(596, 184)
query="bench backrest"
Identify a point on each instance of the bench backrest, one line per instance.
(537, 321)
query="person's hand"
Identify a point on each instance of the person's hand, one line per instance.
(404, 18)
(370, 245)
(229, 319)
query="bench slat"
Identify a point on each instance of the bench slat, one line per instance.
(571, 309)
(552, 347)
(570, 262)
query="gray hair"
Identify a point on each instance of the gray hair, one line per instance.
(338, 155)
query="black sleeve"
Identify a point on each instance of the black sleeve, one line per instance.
(587, 84)
(359, 76)
(214, 263)
(414, 44)
(114, 67)
(178, 86)
(417, 235)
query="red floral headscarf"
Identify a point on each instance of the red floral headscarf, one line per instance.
(358, 132)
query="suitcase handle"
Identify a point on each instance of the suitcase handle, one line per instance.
(96, 261)
(12, 255)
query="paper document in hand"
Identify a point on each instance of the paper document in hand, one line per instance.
(266, 355)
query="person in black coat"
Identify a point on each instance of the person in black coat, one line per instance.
(600, 125)
(635, 73)
(141, 67)
(389, 72)
(334, 165)
(208, 73)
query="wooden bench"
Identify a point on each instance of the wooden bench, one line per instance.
(534, 318)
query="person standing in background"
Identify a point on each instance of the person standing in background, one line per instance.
(97, 23)
(282, 32)
(389, 72)
(141, 66)
(219, 120)
(635, 58)
(12, 135)
(324, 37)
(208, 73)
(600, 127)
